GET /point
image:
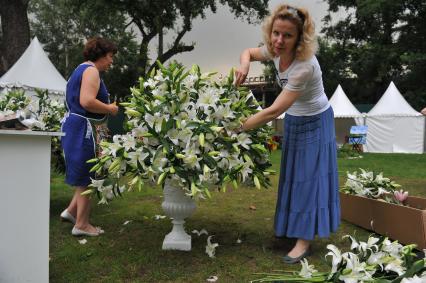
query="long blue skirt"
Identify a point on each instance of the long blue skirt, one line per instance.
(308, 197)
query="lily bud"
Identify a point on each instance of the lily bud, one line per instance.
(235, 184)
(206, 169)
(161, 178)
(213, 153)
(216, 128)
(201, 139)
(256, 182)
(133, 113)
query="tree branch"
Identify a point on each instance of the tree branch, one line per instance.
(176, 48)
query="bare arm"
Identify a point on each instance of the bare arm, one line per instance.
(247, 56)
(280, 105)
(424, 111)
(90, 83)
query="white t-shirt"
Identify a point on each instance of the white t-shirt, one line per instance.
(304, 77)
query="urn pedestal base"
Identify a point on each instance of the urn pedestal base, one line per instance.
(178, 206)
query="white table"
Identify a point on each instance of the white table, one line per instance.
(24, 205)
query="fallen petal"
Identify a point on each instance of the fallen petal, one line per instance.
(212, 278)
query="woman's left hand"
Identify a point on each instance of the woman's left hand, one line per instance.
(241, 74)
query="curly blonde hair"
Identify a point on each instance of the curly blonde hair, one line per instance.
(307, 44)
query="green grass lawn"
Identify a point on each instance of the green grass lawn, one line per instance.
(132, 252)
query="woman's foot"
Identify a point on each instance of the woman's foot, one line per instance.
(300, 251)
(88, 230)
(66, 216)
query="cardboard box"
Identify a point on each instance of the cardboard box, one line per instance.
(407, 224)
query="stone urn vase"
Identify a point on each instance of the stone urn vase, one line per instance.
(178, 206)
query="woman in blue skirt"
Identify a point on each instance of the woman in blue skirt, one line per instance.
(308, 199)
(87, 101)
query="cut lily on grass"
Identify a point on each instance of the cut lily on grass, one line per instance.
(376, 260)
(182, 126)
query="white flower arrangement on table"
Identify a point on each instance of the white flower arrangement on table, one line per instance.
(377, 260)
(13, 101)
(184, 126)
(49, 111)
(375, 186)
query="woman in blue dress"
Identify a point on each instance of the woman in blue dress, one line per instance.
(87, 101)
(308, 199)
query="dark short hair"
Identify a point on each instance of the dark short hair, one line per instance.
(98, 47)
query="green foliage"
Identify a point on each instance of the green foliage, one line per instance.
(50, 113)
(63, 25)
(377, 42)
(347, 151)
(14, 100)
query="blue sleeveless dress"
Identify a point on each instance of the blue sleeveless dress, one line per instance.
(79, 142)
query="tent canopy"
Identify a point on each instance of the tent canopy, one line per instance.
(342, 106)
(34, 70)
(394, 126)
(392, 103)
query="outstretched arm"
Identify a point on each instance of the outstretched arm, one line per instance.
(247, 56)
(280, 105)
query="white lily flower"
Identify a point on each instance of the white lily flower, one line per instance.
(307, 270)
(211, 248)
(199, 233)
(150, 83)
(223, 112)
(357, 271)
(158, 217)
(376, 258)
(190, 80)
(393, 248)
(336, 257)
(367, 175)
(246, 171)
(208, 98)
(129, 142)
(244, 140)
(415, 279)
(396, 266)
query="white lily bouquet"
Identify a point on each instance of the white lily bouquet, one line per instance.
(13, 101)
(377, 260)
(184, 126)
(371, 185)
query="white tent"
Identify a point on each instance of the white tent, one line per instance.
(394, 126)
(345, 114)
(34, 70)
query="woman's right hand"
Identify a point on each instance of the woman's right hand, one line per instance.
(112, 109)
(241, 73)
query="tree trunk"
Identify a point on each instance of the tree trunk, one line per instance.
(15, 32)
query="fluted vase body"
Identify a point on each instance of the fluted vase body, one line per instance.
(178, 206)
